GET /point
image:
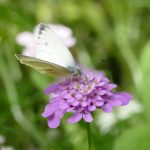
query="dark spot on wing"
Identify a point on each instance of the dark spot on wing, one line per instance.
(40, 32)
(42, 26)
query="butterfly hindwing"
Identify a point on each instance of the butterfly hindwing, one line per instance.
(43, 66)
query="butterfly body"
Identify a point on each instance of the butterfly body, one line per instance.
(52, 56)
(75, 70)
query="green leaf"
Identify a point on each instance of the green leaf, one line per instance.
(134, 139)
(145, 58)
(145, 65)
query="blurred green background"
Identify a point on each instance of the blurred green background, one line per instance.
(112, 35)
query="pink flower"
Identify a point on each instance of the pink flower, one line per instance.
(29, 40)
(81, 96)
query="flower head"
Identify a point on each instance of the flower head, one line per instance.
(29, 39)
(81, 96)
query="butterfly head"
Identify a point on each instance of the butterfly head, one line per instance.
(75, 70)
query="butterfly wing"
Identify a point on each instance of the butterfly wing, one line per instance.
(43, 66)
(50, 48)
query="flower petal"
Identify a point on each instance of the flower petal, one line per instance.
(59, 113)
(25, 39)
(107, 108)
(75, 103)
(110, 86)
(50, 109)
(115, 103)
(99, 103)
(53, 121)
(70, 109)
(75, 118)
(91, 107)
(124, 97)
(83, 104)
(78, 96)
(87, 117)
(63, 104)
(51, 88)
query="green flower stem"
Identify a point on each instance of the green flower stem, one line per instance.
(89, 136)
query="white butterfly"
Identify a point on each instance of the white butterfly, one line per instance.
(52, 57)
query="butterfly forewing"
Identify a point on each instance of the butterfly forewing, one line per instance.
(50, 48)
